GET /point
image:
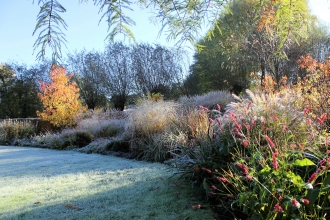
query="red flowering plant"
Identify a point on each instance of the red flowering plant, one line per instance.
(262, 162)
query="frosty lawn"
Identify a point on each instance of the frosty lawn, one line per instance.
(47, 184)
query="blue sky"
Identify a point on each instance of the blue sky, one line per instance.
(18, 19)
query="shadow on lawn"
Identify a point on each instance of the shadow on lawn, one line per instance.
(82, 186)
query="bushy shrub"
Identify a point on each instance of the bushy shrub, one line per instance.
(12, 129)
(314, 89)
(263, 161)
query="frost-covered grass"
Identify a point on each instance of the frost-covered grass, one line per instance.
(48, 184)
(209, 100)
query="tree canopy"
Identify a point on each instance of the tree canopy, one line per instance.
(244, 46)
(181, 20)
(121, 71)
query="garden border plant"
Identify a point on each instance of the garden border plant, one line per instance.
(262, 161)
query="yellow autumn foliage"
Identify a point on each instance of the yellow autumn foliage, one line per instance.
(60, 99)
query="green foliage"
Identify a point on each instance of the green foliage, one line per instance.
(114, 13)
(18, 92)
(254, 39)
(225, 60)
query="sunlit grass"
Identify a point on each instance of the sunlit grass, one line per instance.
(48, 184)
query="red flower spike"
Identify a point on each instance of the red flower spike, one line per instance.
(275, 164)
(244, 169)
(321, 162)
(295, 203)
(305, 201)
(249, 177)
(278, 208)
(309, 121)
(206, 170)
(222, 179)
(280, 198)
(219, 121)
(312, 137)
(312, 178)
(196, 206)
(245, 143)
(322, 118)
(269, 141)
(203, 108)
(219, 107)
(306, 110)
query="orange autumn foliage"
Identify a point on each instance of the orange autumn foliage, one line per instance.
(60, 99)
(315, 86)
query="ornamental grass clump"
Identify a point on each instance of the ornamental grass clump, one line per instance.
(102, 127)
(151, 117)
(67, 139)
(208, 100)
(264, 160)
(146, 126)
(12, 130)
